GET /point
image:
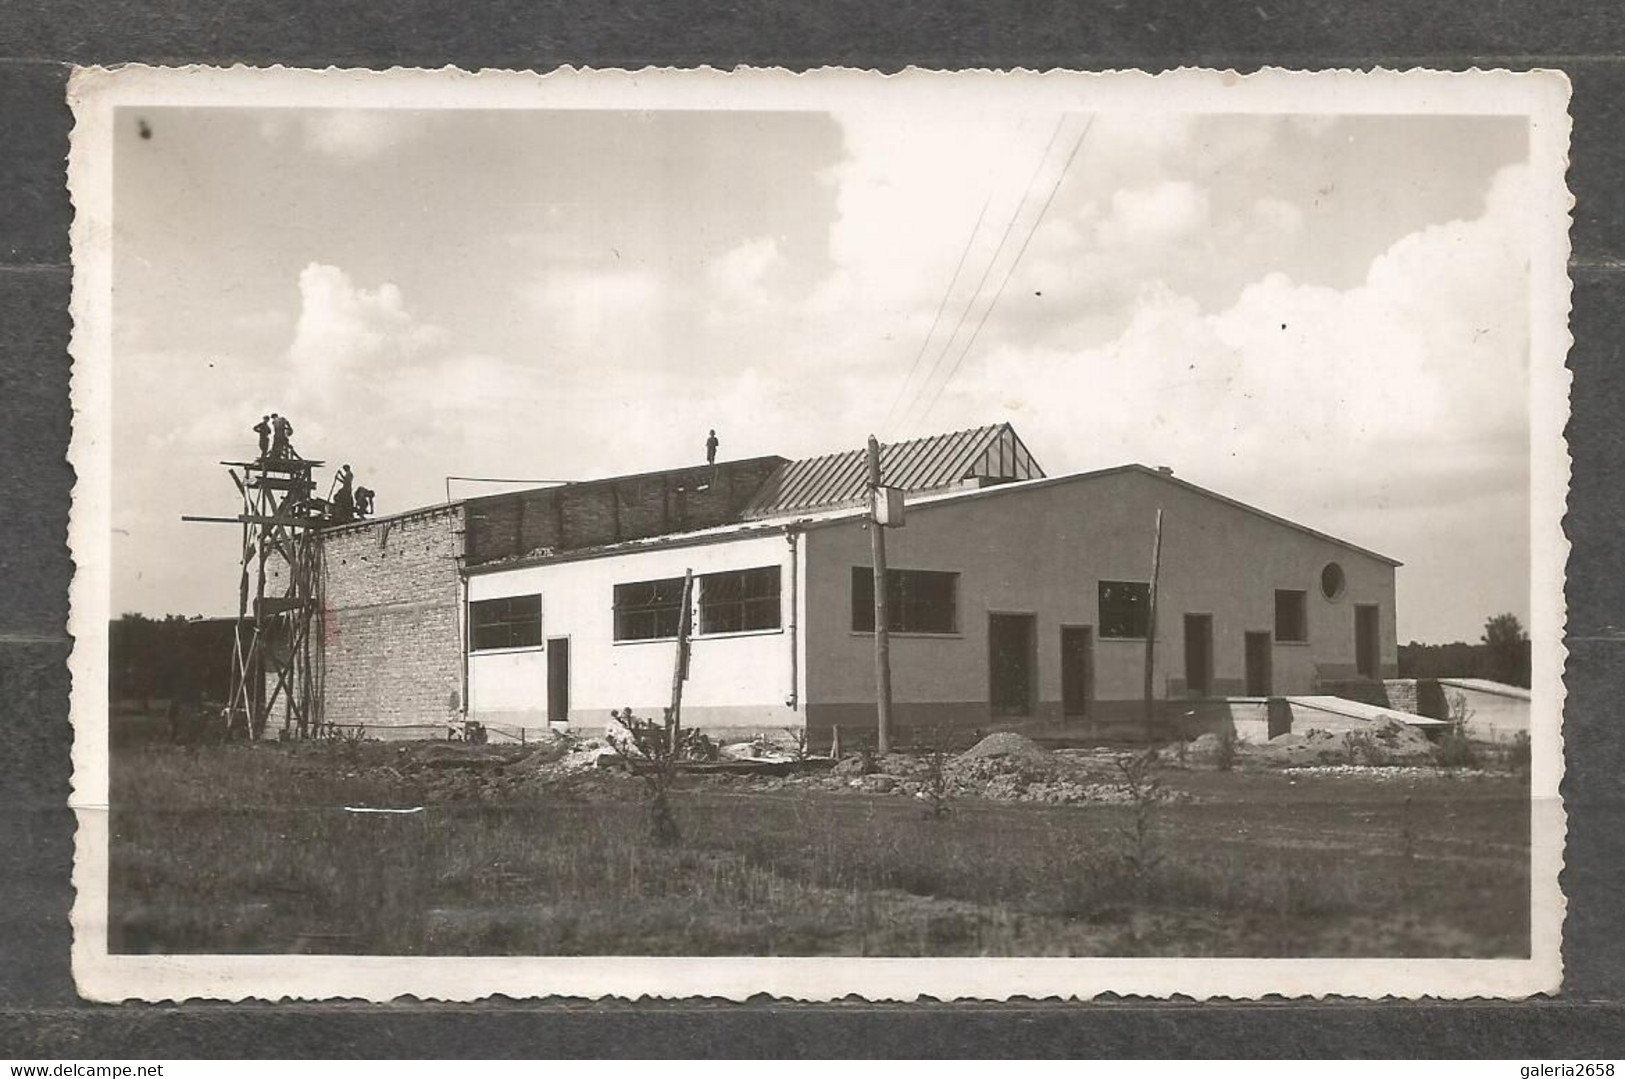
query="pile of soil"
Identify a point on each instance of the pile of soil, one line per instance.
(1005, 744)
(1381, 743)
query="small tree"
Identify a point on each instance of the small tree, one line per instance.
(649, 751)
(1139, 853)
(936, 789)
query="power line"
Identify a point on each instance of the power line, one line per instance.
(1013, 264)
(991, 262)
(937, 318)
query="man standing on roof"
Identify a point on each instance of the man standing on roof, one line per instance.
(711, 448)
(263, 429)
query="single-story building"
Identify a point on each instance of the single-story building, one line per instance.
(1014, 598)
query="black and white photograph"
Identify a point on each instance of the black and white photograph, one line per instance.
(682, 532)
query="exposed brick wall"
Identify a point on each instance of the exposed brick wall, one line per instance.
(391, 641)
(609, 511)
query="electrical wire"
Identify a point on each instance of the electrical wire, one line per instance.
(987, 272)
(1039, 220)
(937, 318)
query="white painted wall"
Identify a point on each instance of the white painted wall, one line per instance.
(1044, 549)
(738, 680)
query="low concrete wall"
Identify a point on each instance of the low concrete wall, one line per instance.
(1419, 696)
(1494, 715)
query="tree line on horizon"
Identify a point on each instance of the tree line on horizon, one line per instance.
(169, 658)
(1501, 654)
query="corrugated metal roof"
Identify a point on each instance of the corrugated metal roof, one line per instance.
(921, 464)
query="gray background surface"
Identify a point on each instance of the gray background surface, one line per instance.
(40, 1016)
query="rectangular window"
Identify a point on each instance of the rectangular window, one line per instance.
(917, 600)
(1291, 615)
(648, 610)
(512, 622)
(740, 600)
(1125, 608)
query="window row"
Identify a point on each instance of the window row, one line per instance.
(736, 601)
(742, 601)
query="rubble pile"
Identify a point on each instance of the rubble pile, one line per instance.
(1003, 767)
(1383, 743)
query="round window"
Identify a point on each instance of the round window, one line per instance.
(1331, 581)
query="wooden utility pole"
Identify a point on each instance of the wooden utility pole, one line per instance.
(1151, 626)
(679, 669)
(877, 543)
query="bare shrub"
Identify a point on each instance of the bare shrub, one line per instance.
(1362, 747)
(1456, 748)
(1515, 754)
(1139, 855)
(798, 742)
(651, 752)
(1229, 749)
(935, 786)
(344, 743)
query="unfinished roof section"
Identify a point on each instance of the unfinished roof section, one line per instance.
(980, 457)
(596, 513)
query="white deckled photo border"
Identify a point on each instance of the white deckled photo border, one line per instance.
(95, 94)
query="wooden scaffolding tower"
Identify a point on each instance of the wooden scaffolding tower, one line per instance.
(276, 655)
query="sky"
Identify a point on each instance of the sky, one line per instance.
(1325, 317)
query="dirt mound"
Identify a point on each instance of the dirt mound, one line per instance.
(1005, 744)
(1380, 743)
(1206, 745)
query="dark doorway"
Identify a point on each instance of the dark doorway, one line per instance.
(1010, 664)
(1258, 665)
(1077, 670)
(1366, 640)
(1199, 655)
(558, 679)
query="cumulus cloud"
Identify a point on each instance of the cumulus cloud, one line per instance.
(1156, 214)
(738, 275)
(1424, 363)
(343, 328)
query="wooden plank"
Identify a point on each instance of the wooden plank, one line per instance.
(257, 519)
(274, 605)
(276, 464)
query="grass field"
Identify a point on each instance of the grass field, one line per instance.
(248, 849)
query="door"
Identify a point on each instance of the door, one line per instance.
(1199, 655)
(1258, 665)
(1077, 670)
(558, 679)
(1010, 664)
(1366, 640)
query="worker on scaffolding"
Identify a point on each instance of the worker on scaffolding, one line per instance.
(263, 429)
(344, 496)
(281, 438)
(363, 501)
